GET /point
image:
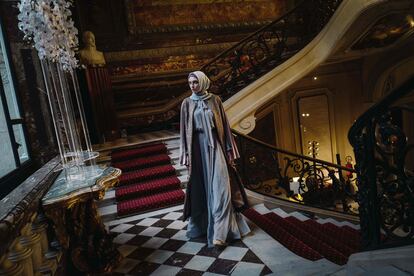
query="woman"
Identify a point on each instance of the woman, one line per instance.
(207, 148)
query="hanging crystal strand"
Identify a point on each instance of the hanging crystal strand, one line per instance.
(43, 23)
(81, 112)
(54, 110)
(67, 142)
(70, 114)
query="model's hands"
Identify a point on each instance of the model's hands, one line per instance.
(186, 160)
(230, 159)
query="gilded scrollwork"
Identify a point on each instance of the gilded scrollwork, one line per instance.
(275, 172)
(79, 228)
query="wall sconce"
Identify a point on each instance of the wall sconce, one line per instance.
(410, 20)
(313, 148)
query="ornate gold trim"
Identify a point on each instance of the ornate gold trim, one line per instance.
(75, 219)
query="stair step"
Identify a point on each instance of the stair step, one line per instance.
(122, 155)
(282, 236)
(146, 174)
(261, 209)
(318, 245)
(341, 233)
(110, 199)
(150, 202)
(312, 228)
(143, 162)
(146, 188)
(280, 212)
(338, 223)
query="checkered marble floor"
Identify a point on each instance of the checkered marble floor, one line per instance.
(156, 244)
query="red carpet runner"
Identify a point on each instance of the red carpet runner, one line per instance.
(148, 180)
(309, 239)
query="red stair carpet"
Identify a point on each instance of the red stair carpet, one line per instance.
(148, 180)
(309, 239)
(121, 155)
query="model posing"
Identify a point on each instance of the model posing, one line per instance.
(208, 149)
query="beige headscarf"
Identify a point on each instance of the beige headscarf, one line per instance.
(206, 121)
(204, 83)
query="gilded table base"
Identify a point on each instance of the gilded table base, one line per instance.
(80, 230)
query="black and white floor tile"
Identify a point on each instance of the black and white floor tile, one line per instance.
(157, 245)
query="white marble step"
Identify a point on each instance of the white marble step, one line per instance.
(262, 209)
(299, 216)
(338, 223)
(174, 154)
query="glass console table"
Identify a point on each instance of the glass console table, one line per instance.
(71, 207)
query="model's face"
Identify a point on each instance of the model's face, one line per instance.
(194, 85)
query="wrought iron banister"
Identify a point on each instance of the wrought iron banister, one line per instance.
(385, 165)
(268, 47)
(291, 176)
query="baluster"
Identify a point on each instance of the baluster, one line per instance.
(32, 240)
(49, 258)
(21, 255)
(8, 268)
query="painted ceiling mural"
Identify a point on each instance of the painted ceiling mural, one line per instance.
(148, 13)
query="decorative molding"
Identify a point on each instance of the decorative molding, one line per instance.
(295, 116)
(273, 108)
(386, 31)
(174, 64)
(387, 79)
(363, 25)
(200, 27)
(165, 52)
(247, 125)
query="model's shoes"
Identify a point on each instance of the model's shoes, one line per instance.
(219, 243)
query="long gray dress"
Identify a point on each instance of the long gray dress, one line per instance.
(211, 209)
